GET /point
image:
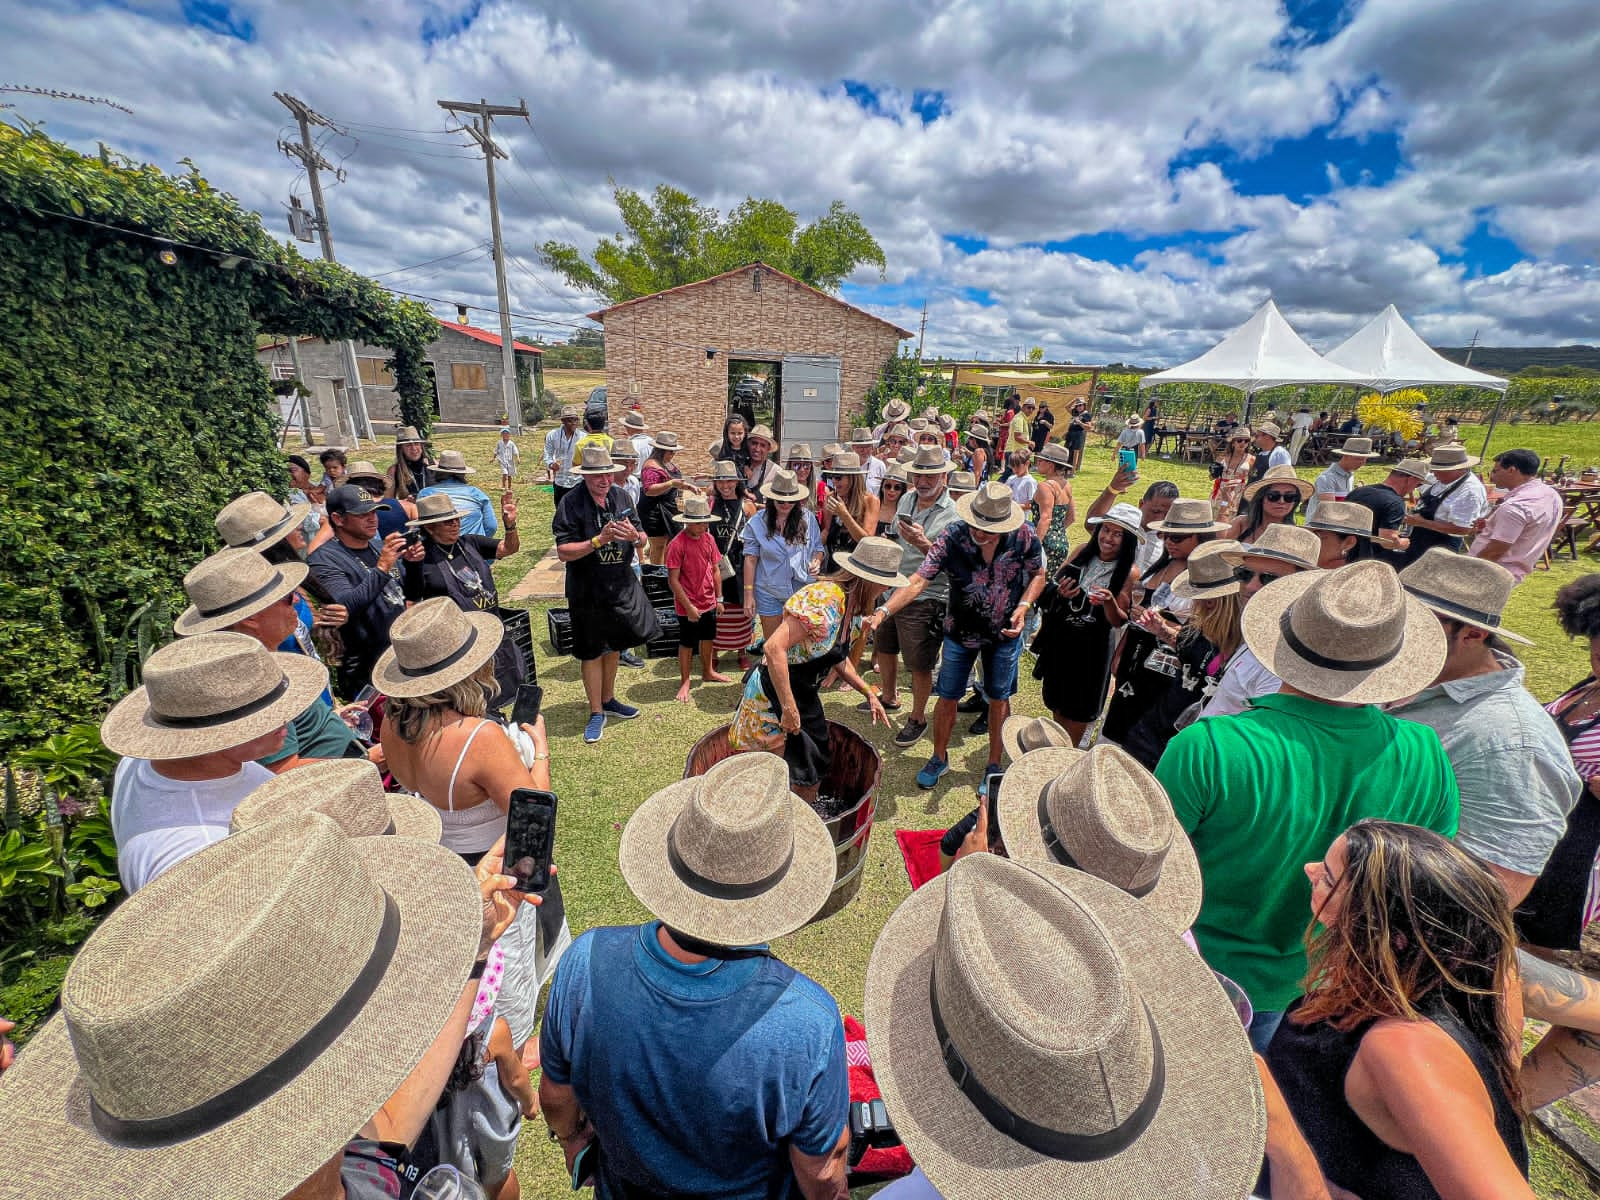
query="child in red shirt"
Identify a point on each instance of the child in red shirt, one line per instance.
(692, 559)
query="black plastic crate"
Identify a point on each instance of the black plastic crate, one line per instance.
(656, 588)
(559, 621)
(665, 644)
(519, 628)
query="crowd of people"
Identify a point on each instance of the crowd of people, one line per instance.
(1256, 909)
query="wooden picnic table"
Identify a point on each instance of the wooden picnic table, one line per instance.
(1580, 509)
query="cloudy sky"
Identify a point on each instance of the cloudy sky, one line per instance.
(1108, 179)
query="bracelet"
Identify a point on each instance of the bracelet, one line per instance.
(545, 757)
(477, 969)
(594, 542)
(511, 526)
(1024, 603)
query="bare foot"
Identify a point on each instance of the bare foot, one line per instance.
(715, 677)
(683, 694)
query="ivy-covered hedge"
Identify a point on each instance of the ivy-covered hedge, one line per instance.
(133, 403)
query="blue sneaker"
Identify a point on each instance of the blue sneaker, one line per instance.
(595, 727)
(629, 659)
(932, 771)
(616, 708)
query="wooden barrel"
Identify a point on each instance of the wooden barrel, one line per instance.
(852, 777)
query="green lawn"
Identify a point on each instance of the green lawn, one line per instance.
(601, 785)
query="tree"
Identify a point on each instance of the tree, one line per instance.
(1036, 354)
(672, 239)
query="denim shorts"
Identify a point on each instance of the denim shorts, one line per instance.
(999, 669)
(768, 605)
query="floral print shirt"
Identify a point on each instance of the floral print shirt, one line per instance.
(820, 608)
(983, 594)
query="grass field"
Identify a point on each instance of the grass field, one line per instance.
(601, 785)
(573, 386)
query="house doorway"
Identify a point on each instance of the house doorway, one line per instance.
(755, 390)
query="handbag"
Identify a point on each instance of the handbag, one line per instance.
(725, 569)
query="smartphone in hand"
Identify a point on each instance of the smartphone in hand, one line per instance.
(530, 838)
(526, 710)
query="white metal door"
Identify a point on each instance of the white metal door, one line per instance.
(810, 408)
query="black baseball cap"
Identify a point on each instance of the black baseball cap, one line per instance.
(349, 500)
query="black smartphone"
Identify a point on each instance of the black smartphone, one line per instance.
(1070, 571)
(586, 1165)
(991, 793)
(530, 838)
(526, 710)
(414, 537)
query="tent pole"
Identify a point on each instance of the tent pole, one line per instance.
(1494, 418)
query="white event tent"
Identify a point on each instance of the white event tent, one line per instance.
(1391, 356)
(1262, 353)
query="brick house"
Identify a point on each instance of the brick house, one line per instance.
(466, 378)
(678, 354)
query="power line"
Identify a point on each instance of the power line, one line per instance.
(418, 266)
(551, 159)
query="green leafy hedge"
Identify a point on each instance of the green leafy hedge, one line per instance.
(134, 405)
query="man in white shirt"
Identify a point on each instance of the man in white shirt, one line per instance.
(865, 444)
(1280, 550)
(560, 445)
(1299, 432)
(1338, 481)
(1449, 504)
(634, 432)
(1269, 453)
(210, 706)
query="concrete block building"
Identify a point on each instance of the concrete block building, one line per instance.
(679, 353)
(467, 377)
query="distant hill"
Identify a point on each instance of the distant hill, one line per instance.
(1508, 360)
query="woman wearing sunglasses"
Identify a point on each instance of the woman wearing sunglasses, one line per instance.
(1274, 499)
(1230, 472)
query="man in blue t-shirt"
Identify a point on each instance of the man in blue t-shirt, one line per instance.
(680, 1057)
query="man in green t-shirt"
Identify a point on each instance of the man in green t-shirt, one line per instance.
(1263, 792)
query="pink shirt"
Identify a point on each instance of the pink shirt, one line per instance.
(1527, 518)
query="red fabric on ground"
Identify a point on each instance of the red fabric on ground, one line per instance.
(920, 849)
(890, 1162)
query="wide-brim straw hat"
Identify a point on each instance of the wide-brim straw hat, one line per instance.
(634, 422)
(731, 857)
(846, 462)
(928, 460)
(1280, 475)
(1342, 517)
(862, 437)
(1123, 515)
(1022, 735)
(569, 412)
(1189, 516)
(453, 462)
(1056, 453)
(211, 692)
(696, 511)
(963, 483)
(1133, 419)
(349, 791)
(1107, 815)
(1075, 1007)
(896, 410)
(782, 485)
(1416, 468)
(434, 645)
(258, 521)
(801, 452)
(895, 472)
(898, 429)
(1351, 635)
(1209, 572)
(947, 423)
(231, 585)
(431, 510)
(361, 470)
(725, 468)
(274, 990)
(1356, 447)
(1270, 428)
(991, 508)
(407, 435)
(596, 460)
(666, 440)
(832, 450)
(761, 432)
(875, 559)
(1461, 588)
(1451, 456)
(1292, 544)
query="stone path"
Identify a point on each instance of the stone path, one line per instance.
(547, 581)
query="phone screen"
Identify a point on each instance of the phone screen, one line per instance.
(585, 1164)
(526, 710)
(530, 838)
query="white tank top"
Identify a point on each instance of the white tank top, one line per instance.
(470, 830)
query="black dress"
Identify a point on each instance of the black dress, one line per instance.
(1553, 913)
(610, 611)
(462, 572)
(728, 532)
(1310, 1063)
(1074, 648)
(1147, 738)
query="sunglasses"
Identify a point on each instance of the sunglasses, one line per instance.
(1178, 537)
(1245, 575)
(1281, 497)
(894, 483)
(1240, 441)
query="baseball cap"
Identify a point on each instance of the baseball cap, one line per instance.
(351, 501)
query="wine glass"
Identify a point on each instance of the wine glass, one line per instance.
(444, 1182)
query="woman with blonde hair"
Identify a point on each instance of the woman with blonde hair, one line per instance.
(849, 511)
(1400, 1063)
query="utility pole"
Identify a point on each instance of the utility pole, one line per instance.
(482, 132)
(922, 330)
(1471, 346)
(308, 157)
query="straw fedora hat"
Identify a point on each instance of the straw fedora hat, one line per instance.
(875, 559)
(569, 412)
(895, 471)
(1414, 467)
(1038, 1033)
(1021, 735)
(762, 432)
(1123, 515)
(928, 460)
(1342, 517)
(918, 424)
(1100, 811)
(273, 990)
(1055, 452)
(963, 483)
(931, 413)
(1471, 590)
(832, 450)
(596, 460)
(362, 473)
(666, 440)
(896, 410)
(1210, 572)
(210, 692)
(898, 430)
(431, 510)
(231, 585)
(946, 423)
(1351, 635)
(1189, 516)
(1292, 544)
(256, 520)
(347, 790)
(725, 468)
(782, 485)
(991, 508)
(979, 433)
(731, 857)
(407, 435)
(622, 448)
(862, 436)
(633, 422)
(696, 511)
(1278, 475)
(1133, 420)
(846, 462)
(1451, 456)
(453, 462)
(1356, 447)
(801, 451)
(1270, 428)
(434, 645)
(908, 455)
